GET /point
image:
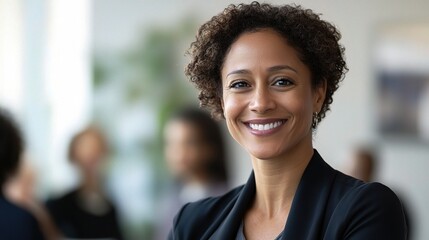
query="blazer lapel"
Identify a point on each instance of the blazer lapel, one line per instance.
(306, 216)
(229, 226)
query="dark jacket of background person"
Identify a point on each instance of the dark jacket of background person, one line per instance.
(15, 222)
(327, 205)
(75, 222)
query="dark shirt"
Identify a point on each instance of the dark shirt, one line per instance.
(17, 223)
(75, 222)
(327, 205)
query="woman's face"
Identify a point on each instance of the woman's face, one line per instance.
(185, 150)
(89, 152)
(268, 99)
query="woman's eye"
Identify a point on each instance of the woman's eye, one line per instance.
(283, 82)
(240, 84)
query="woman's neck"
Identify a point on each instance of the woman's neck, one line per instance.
(90, 183)
(277, 181)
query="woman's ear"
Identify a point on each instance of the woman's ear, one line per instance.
(319, 95)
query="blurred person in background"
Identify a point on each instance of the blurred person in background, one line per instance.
(363, 164)
(20, 189)
(271, 71)
(86, 212)
(196, 158)
(15, 221)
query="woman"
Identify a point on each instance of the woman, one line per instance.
(195, 155)
(86, 212)
(271, 72)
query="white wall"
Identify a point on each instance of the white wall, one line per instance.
(11, 55)
(45, 70)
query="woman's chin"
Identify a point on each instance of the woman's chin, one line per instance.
(265, 154)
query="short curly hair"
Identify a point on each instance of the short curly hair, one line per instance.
(315, 40)
(11, 146)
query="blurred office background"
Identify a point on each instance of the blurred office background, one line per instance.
(119, 64)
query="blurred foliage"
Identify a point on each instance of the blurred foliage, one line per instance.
(150, 73)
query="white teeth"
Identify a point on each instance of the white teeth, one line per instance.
(267, 126)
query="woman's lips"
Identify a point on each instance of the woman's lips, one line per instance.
(264, 127)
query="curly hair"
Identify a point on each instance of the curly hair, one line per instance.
(315, 40)
(11, 146)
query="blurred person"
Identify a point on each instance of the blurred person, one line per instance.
(363, 164)
(195, 155)
(15, 221)
(271, 72)
(423, 113)
(86, 212)
(20, 189)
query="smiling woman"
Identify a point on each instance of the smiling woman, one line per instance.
(271, 72)
(272, 88)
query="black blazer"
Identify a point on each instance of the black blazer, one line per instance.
(17, 223)
(327, 205)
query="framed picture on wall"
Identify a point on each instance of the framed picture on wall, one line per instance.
(402, 80)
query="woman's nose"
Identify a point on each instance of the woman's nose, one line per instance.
(262, 100)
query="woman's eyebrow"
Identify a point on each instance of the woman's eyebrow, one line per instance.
(270, 69)
(281, 67)
(239, 71)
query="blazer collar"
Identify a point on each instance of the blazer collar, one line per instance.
(229, 227)
(306, 215)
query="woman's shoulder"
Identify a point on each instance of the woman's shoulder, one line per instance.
(17, 222)
(376, 198)
(349, 188)
(13, 211)
(60, 200)
(367, 209)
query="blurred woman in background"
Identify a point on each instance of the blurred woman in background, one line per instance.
(86, 212)
(195, 155)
